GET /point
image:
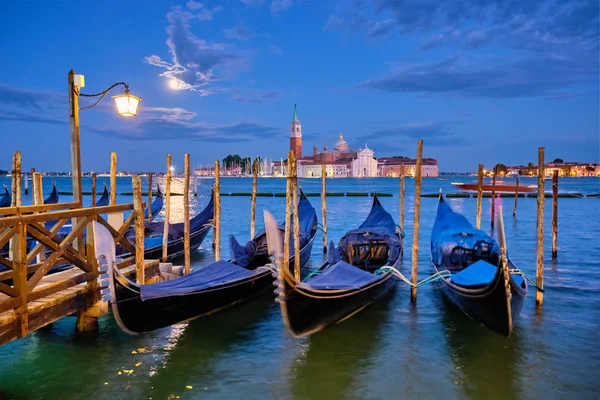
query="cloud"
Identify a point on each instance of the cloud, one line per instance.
(358, 22)
(514, 23)
(152, 123)
(194, 5)
(196, 63)
(276, 6)
(492, 78)
(280, 5)
(251, 96)
(238, 32)
(435, 133)
(24, 98)
(276, 50)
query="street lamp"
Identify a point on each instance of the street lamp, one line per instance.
(127, 106)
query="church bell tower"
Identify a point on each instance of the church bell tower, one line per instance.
(296, 135)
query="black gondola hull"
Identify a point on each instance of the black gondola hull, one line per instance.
(137, 316)
(304, 314)
(488, 305)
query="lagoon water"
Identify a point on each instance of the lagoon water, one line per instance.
(390, 350)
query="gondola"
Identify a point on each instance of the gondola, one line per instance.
(357, 273)
(220, 285)
(105, 199)
(475, 278)
(199, 227)
(6, 199)
(53, 197)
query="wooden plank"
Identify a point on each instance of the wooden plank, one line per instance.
(50, 234)
(6, 262)
(38, 208)
(6, 275)
(54, 244)
(57, 287)
(79, 212)
(10, 291)
(59, 252)
(7, 234)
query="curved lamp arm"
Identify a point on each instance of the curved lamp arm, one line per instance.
(103, 94)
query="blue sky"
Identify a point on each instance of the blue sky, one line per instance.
(478, 81)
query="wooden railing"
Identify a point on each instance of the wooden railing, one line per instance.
(20, 283)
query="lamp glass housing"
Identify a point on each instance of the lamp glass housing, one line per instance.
(127, 104)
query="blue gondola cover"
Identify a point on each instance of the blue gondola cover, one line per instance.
(215, 274)
(341, 275)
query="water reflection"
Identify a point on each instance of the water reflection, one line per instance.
(192, 356)
(485, 363)
(331, 361)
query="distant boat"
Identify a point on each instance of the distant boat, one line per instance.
(501, 187)
(53, 197)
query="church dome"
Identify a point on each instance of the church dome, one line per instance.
(341, 144)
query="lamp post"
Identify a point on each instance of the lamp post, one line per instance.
(127, 106)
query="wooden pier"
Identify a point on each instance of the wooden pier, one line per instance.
(30, 297)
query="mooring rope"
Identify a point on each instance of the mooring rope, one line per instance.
(523, 274)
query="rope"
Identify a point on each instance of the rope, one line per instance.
(395, 272)
(317, 272)
(523, 274)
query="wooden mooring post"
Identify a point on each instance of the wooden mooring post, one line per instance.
(288, 211)
(217, 218)
(539, 276)
(417, 216)
(494, 196)
(402, 199)
(167, 210)
(186, 215)
(516, 198)
(324, 204)
(150, 197)
(38, 200)
(253, 200)
(113, 178)
(479, 195)
(16, 200)
(555, 215)
(94, 179)
(138, 209)
(294, 166)
(31, 172)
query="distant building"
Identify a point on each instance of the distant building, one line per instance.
(296, 135)
(364, 165)
(563, 168)
(392, 167)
